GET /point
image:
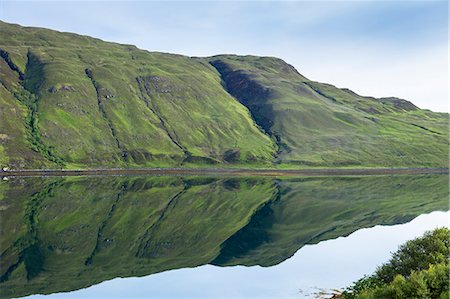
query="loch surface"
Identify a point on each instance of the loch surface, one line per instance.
(222, 237)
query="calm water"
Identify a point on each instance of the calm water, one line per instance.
(190, 237)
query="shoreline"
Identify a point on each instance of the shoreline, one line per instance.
(221, 171)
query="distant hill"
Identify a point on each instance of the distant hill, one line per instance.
(72, 101)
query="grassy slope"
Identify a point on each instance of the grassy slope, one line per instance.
(74, 232)
(104, 104)
(15, 147)
(79, 102)
(320, 125)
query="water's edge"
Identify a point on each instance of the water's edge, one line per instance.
(222, 171)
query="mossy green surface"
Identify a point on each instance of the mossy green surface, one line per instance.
(72, 101)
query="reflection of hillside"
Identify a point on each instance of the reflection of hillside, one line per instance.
(312, 210)
(76, 232)
(88, 230)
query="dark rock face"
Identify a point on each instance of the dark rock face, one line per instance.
(250, 93)
(158, 84)
(232, 155)
(5, 56)
(67, 88)
(54, 89)
(399, 104)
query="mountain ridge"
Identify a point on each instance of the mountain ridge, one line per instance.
(72, 101)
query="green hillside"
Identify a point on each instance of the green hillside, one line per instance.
(317, 124)
(71, 101)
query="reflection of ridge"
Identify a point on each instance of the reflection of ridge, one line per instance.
(251, 235)
(146, 237)
(96, 249)
(28, 245)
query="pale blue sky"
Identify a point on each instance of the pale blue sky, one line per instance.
(378, 48)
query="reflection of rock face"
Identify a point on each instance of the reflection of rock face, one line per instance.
(311, 210)
(73, 232)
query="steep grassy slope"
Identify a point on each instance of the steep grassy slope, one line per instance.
(16, 141)
(61, 234)
(320, 125)
(74, 101)
(93, 103)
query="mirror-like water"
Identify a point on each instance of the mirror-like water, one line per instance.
(324, 266)
(66, 234)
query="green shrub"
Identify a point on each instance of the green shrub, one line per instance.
(417, 254)
(419, 269)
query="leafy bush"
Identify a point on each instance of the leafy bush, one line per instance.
(419, 269)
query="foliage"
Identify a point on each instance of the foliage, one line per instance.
(419, 269)
(417, 255)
